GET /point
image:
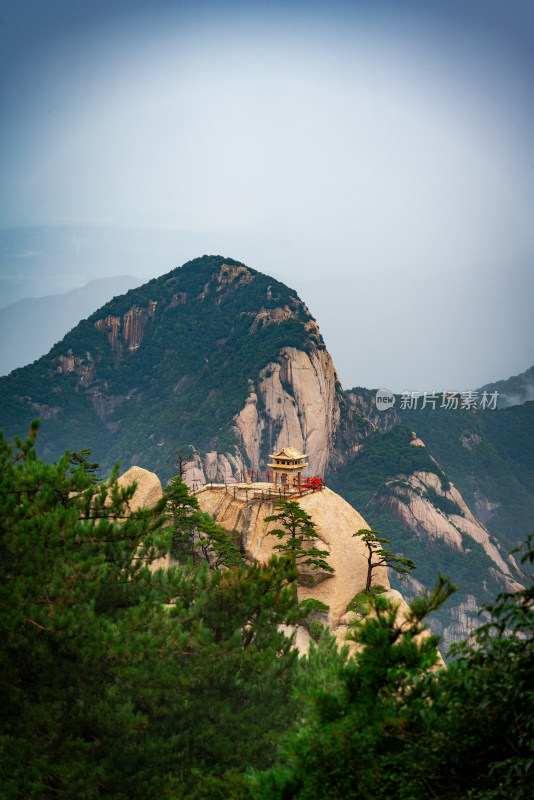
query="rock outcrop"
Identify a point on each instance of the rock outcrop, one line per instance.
(294, 402)
(415, 501)
(147, 494)
(148, 490)
(84, 368)
(336, 523)
(127, 330)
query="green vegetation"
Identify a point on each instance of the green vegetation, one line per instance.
(119, 681)
(377, 556)
(82, 459)
(389, 728)
(362, 602)
(180, 387)
(297, 536)
(195, 535)
(316, 629)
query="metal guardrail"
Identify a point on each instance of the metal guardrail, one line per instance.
(245, 491)
(249, 494)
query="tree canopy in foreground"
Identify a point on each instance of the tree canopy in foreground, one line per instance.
(387, 726)
(121, 682)
(117, 681)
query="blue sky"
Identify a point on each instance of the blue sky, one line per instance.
(376, 156)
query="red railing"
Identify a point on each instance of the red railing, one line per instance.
(307, 485)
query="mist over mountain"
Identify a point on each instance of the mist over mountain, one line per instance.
(43, 260)
(513, 391)
(29, 327)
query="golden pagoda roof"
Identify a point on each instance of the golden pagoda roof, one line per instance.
(288, 452)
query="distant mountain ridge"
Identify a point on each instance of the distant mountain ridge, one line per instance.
(513, 391)
(487, 454)
(31, 326)
(403, 492)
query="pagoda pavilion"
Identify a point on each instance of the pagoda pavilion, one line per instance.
(285, 464)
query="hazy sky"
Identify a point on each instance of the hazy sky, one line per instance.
(376, 156)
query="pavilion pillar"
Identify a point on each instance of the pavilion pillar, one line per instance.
(286, 465)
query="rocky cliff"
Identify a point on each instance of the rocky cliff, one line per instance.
(213, 359)
(295, 401)
(440, 518)
(336, 522)
(128, 330)
(244, 519)
(415, 501)
(222, 365)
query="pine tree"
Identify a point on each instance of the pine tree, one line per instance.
(298, 535)
(354, 740)
(196, 535)
(117, 681)
(378, 557)
(390, 726)
(81, 458)
(184, 511)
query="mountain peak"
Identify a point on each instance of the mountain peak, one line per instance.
(175, 364)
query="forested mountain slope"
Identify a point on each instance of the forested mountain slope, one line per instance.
(221, 361)
(487, 453)
(515, 390)
(213, 355)
(31, 326)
